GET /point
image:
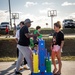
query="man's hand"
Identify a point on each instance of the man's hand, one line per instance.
(31, 35)
(36, 34)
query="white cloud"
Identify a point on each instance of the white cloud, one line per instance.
(37, 20)
(69, 16)
(67, 4)
(72, 16)
(47, 3)
(44, 11)
(40, 20)
(28, 4)
(4, 15)
(17, 12)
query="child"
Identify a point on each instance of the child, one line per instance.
(35, 38)
(56, 46)
(7, 31)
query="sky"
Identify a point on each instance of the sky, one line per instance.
(37, 10)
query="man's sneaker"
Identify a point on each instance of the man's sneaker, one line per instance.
(31, 73)
(18, 73)
(21, 68)
(26, 67)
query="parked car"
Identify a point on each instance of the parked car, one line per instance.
(3, 25)
(68, 23)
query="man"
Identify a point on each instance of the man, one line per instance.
(23, 46)
(17, 39)
(14, 30)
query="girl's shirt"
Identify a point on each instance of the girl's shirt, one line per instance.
(59, 37)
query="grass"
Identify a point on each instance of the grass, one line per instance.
(10, 59)
(68, 58)
(7, 59)
(2, 38)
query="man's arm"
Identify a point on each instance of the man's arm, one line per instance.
(16, 40)
(17, 36)
(31, 35)
(28, 35)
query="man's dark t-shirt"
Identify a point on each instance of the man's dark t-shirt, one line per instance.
(24, 41)
(59, 37)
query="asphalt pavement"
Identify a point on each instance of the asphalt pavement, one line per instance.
(8, 68)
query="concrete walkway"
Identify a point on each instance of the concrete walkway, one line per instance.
(8, 68)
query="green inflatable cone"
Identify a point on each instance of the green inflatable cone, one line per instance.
(48, 66)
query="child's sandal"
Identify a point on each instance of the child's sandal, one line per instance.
(58, 73)
(54, 71)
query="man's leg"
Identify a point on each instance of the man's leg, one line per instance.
(28, 57)
(26, 65)
(19, 61)
(25, 62)
(27, 53)
(17, 52)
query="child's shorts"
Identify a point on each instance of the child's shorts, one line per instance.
(7, 32)
(56, 48)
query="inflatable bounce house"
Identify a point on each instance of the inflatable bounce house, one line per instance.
(41, 60)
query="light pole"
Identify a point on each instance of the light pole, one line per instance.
(52, 13)
(10, 13)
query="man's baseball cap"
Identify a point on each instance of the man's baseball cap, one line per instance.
(27, 21)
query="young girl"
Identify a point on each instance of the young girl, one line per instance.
(56, 46)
